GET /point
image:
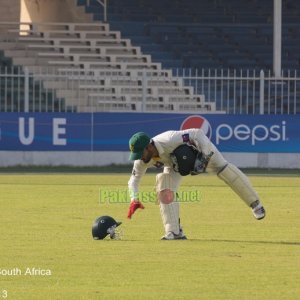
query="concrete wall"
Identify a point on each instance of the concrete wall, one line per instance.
(45, 158)
(52, 11)
(42, 11)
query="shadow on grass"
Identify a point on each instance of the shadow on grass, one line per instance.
(209, 241)
(248, 242)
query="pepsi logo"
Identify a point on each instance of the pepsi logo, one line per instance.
(197, 121)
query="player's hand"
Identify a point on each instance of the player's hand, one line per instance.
(201, 164)
(204, 161)
(134, 205)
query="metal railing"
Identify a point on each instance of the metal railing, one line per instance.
(231, 91)
(247, 91)
(21, 91)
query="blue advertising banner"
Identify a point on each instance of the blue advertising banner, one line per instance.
(111, 131)
(45, 132)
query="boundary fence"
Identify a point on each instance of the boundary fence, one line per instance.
(232, 91)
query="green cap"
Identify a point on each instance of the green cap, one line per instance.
(137, 144)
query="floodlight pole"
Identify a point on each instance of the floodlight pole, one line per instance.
(277, 42)
(104, 5)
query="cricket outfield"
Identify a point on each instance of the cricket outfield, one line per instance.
(47, 250)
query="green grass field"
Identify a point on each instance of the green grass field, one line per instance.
(46, 224)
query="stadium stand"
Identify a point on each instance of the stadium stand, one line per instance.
(205, 34)
(219, 35)
(117, 66)
(87, 55)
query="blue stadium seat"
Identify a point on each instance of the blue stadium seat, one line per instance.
(211, 27)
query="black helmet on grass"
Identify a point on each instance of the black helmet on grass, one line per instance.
(103, 226)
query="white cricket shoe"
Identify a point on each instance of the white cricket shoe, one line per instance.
(172, 236)
(258, 210)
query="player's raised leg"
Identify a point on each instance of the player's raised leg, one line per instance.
(238, 182)
(241, 185)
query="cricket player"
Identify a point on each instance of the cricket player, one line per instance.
(181, 153)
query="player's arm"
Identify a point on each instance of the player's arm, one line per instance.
(200, 140)
(202, 143)
(138, 170)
